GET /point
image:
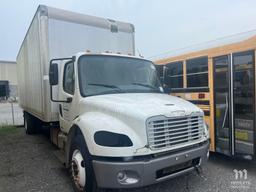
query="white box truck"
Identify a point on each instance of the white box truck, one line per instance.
(105, 108)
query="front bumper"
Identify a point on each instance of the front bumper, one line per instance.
(147, 172)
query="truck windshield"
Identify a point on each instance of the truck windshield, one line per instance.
(100, 74)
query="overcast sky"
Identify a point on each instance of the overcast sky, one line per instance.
(161, 25)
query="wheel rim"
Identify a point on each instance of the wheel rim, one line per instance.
(78, 169)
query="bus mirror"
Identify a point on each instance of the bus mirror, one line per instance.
(53, 74)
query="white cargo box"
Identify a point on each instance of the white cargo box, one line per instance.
(55, 33)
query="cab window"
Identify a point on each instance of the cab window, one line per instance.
(68, 80)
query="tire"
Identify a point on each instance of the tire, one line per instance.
(80, 166)
(29, 124)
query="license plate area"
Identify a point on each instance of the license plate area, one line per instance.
(177, 168)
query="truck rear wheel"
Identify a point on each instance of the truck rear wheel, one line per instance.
(29, 124)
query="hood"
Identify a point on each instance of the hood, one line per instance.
(141, 105)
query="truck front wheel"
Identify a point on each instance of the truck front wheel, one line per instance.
(80, 165)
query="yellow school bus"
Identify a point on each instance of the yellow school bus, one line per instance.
(219, 77)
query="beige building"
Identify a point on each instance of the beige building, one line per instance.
(8, 79)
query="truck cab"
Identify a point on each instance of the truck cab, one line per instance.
(120, 125)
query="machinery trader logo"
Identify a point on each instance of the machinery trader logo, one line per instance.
(240, 179)
(240, 174)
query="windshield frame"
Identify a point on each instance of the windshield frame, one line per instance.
(114, 91)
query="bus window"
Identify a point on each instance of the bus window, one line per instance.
(197, 72)
(174, 75)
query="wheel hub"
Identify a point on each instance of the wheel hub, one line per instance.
(78, 169)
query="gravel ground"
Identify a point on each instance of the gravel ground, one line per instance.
(27, 163)
(6, 114)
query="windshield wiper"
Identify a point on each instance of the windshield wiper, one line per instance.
(145, 85)
(106, 85)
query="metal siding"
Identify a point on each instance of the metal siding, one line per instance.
(66, 39)
(8, 71)
(3, 72)
(30, 76)
(51, 108)
(21, 77)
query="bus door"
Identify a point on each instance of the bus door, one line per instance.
(243, 103)
(234, 87)
(223, 132)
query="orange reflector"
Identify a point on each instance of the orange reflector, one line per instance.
(201, 96)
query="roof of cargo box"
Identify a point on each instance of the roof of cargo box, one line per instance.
(236, 38)
(79, 18)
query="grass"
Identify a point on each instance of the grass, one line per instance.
(7, 129)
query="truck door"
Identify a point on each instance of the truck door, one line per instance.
(234, 88)
(66, 93)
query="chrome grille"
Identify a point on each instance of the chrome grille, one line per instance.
(169, 132)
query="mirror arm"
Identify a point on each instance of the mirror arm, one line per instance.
(68, 100)
(61, 59)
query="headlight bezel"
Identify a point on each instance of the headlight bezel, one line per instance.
(111, 139)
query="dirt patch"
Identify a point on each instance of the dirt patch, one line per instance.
(28, 163)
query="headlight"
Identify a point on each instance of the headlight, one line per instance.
(109, 139)
(206, 131)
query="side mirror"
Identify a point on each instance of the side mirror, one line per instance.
(53, 74)
(167, 89)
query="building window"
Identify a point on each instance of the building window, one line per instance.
(197, 72)
(174, 75)
(4, 89)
